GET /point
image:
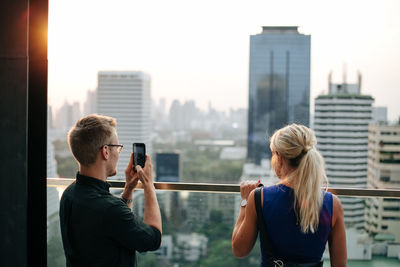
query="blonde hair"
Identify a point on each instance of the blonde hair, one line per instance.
(88, 135)
(296, 144)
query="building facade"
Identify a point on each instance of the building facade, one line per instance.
(341, 127)
(383, 215)
(168, 167)
(89, 106)
(125, 95)
(279, 85)
(67, 116)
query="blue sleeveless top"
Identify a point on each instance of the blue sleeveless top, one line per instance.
(287, 242)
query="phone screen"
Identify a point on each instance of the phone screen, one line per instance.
(139, 150)
(139, 154)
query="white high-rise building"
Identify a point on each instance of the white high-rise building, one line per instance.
(383, 214)
(125, 95)
(341, 127)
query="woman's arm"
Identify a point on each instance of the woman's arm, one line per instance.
(245, 232)
(337, 237)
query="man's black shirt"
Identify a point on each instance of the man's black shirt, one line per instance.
(98, 229)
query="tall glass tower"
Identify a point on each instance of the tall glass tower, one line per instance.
(279, 86)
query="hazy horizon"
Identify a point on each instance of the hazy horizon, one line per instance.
(200, 50)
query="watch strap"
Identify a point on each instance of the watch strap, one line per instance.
(127, 201)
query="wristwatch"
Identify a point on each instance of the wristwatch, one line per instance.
(243, 203)
(127, 201)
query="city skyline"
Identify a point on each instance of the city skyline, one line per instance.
(206, 59)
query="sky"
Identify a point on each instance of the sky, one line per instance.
(200, 49)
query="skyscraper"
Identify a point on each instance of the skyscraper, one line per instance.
(383, 214)
(341, 127)
(167, 167)
(279, 85)
(125, 95)
(176, 116)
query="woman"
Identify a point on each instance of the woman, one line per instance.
(300, 217)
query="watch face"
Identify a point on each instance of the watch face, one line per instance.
(243, 203)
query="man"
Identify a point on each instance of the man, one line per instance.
(99, 229)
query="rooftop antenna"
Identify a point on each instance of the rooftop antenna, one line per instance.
(329, 82)
(359, 80)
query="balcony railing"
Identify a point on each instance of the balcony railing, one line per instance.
(233, 188)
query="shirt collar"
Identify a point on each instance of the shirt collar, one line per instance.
(93, 182)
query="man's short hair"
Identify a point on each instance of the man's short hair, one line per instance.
(88, 135)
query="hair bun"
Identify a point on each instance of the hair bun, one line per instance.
(307, 148)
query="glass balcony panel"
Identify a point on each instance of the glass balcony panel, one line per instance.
(197, 228)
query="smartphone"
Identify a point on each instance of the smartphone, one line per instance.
(139, 155)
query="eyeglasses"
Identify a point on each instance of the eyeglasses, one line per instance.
(119, 147)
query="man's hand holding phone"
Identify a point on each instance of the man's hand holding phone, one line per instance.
(142, 164)
(131, 177)
(145, 174)
(152, 214)
(144, 170)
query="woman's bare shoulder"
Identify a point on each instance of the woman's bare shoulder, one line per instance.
(337, 209)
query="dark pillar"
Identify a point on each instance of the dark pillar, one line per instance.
(23, 113)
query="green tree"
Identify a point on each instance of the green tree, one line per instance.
(147, 259)
(219, 236)
(215, 229)
(60, 145)
(66, 167)
(220, 254)
(151, 259)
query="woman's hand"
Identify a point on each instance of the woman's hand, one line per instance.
(245, 231)
(246, 187)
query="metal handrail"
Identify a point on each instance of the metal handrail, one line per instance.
(233, 188)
